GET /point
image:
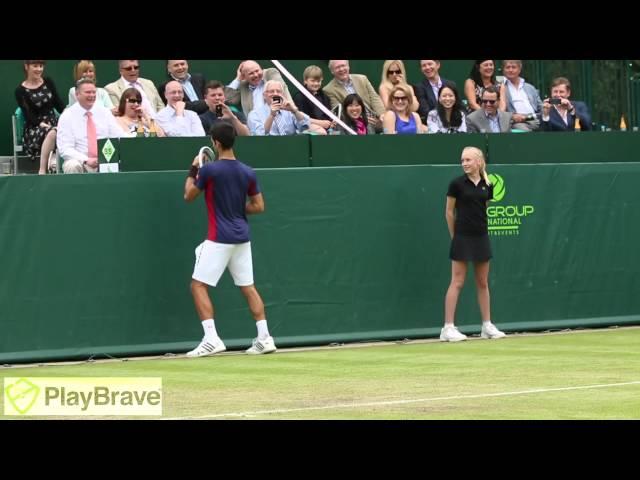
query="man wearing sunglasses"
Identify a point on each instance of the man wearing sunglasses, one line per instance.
(489, 118)
(130, 78)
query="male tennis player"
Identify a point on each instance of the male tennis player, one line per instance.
(227, 183)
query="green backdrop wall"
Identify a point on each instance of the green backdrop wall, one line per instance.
(100, 264)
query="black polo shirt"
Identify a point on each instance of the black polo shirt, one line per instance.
(471, 205)
(307, 106)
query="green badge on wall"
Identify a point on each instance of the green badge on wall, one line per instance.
(108, 150)
(498, 187)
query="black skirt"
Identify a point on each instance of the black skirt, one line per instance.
(465, 248)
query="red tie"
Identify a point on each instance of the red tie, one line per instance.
(92, 137)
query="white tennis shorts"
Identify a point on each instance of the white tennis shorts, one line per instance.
(212, 258)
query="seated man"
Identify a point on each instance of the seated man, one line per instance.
(523, 100)
(320, 121)
(489, 119)
(217, 110)
(344, 83)
(174, 119)
(79, 128)
(248, 87)
(192, 85)
(130, 77)
(278, 115)
(560, 114)
(427, 90)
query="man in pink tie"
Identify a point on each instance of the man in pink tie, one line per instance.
(79, 128)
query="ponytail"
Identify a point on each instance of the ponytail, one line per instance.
(483, 163)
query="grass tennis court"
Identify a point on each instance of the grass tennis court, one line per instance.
(589, 374)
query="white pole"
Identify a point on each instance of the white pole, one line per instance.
(306, 93)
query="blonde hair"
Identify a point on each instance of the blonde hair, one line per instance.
(312, 71)
(81, 67)
(385, 69)
(477, 153)
(404, 89)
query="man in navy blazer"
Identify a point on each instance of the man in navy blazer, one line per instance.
(192, 85)
(562, 116)
(427, 90)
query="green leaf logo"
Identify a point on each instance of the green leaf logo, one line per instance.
(498, 187)
(22, 395)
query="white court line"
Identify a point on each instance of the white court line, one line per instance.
(401, 402)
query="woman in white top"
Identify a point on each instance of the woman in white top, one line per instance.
(394, 73)
(86, 69)
(448, 116)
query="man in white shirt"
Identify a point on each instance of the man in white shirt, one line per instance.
(130, 78)
(174, 119)
(278, 115)
(523, 99)
(79, 128)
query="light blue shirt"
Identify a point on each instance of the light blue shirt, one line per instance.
(436, 87)
(173, 125)
(285, 123)
(189, 91)
(348, 85)
(494, 122)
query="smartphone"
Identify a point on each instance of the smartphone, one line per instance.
(218, 111)
(555, 101)
(276, 99)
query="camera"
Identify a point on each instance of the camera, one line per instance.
(276, 99)
(555, 101)
(218, 111)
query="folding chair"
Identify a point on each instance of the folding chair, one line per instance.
(17, 127)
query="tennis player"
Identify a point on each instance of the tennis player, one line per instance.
(226, 183)
(466, 213)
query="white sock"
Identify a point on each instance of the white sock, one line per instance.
(209, 327)
(263, 330)
(486, 323)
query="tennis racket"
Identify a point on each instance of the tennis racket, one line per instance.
(205, 155)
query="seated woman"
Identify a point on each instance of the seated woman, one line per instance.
(38, 99)
(353, 114)
(133, 119)
(320, 122)
(448, 116)
(393, 73)
(399, 119)
(483, 75)
(86, 69)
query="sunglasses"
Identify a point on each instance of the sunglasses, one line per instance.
(133, 100)
(399, 99)
(394, 72)
(131, 67)
(490, 102)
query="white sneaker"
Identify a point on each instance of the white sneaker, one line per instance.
(207, 347)
(491, 331)
(451, 334)
(259, 347)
